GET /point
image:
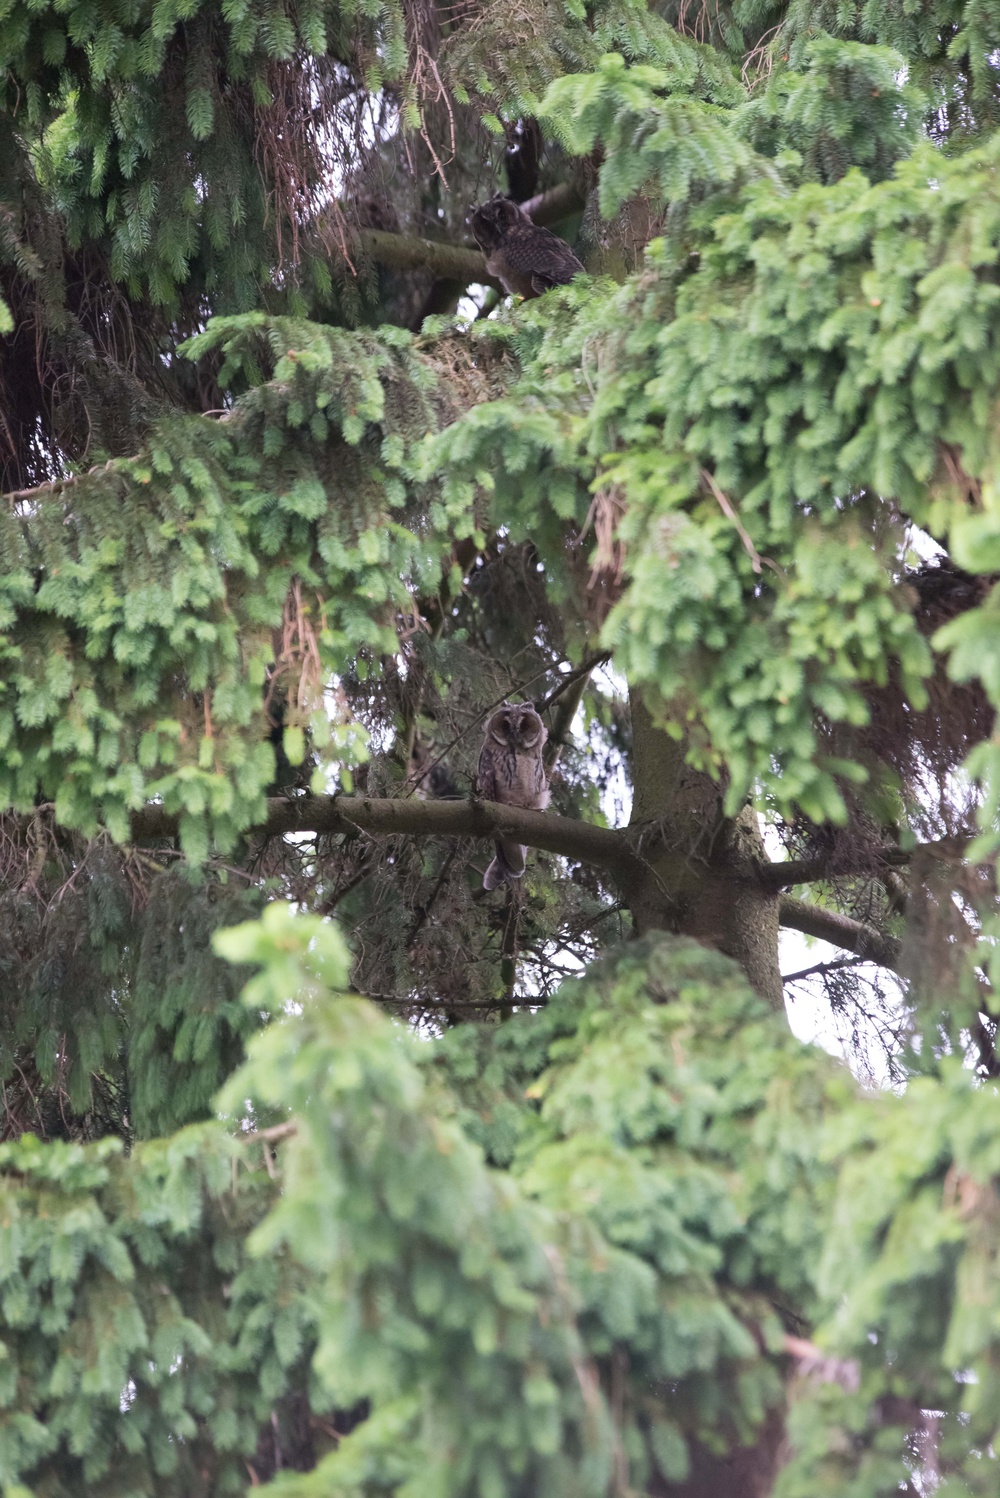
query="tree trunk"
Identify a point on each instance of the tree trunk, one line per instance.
(747, 1472)
(715, 894)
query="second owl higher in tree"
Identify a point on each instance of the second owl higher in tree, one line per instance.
(527, 260)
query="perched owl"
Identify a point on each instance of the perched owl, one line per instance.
(526, 259)
(511, 772)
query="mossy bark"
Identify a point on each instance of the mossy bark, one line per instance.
(700, 878)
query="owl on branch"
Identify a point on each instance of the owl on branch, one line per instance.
(526, 259)
(511, 772)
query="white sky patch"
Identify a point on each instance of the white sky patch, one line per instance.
(616, 799)
(472, 303)
(806, 1003)
(808, 1009)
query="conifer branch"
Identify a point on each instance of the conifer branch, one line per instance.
(841, 931)
(56, 486)
(792, 871)
(823, 968)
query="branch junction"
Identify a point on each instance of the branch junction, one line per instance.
(567, 837)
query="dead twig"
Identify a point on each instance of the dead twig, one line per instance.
(725, 505)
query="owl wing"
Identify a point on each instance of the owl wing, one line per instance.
(509, 272)
(555, 263)
(544, 280)
(486, 775)
(542, 793)
(509, 857)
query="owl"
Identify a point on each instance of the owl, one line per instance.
(526, 259)
(511, 772)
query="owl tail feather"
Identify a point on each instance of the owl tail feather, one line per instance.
(507, 866)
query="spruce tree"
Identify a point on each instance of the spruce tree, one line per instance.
(322, 1169)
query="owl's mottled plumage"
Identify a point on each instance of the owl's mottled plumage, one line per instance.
(526, 259)
(511, 772)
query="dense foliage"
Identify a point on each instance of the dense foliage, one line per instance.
(524, 1192)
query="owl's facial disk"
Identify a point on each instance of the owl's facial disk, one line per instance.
(500, 727)
(516, 728)
(529, 730)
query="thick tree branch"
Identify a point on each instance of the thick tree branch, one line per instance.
(556, 203)
(449, 261)
(391, 817)
(841, 931)
(602, 847)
